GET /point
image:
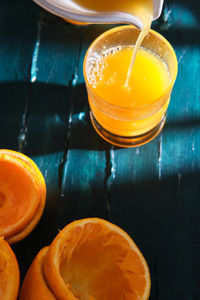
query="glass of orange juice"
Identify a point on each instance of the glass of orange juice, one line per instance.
(131, 112)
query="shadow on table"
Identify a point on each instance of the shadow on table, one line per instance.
(36, 118)
(180, 32)
(163, 218)
(41, 119)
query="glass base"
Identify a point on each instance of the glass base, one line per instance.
(127, 141)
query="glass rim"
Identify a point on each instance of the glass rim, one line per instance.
(116, 29)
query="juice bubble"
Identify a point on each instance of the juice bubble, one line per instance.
(97, 63)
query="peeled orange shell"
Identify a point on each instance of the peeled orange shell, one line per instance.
(9, 272)
(90, 259)
(22, 195)
(34, 285)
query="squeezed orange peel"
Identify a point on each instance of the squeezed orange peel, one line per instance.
(90, 259)
(22, 195)
(9, 269)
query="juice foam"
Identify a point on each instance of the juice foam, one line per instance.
(148, 80)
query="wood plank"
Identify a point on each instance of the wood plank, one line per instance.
(16, 48)
(153, 191)
(179, 187)
(57, 102)
(18, 32)
(84, 182)
(158, 190)
(53, 66)
(134, 198)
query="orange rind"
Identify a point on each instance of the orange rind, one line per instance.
(90, 259)
(34, 285)
(22, 195)
(9, 272)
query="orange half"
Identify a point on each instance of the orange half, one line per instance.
(92, 259)
(34, 285)
(9, 272)
(22, 195)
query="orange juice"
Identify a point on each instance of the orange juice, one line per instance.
(142, 9)
(148, 81)
(134, 113)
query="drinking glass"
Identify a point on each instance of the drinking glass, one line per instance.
(122, 126)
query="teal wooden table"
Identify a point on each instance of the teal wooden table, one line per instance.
(153, 191)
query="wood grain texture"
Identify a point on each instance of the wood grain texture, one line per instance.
(50, 108)
(157, 186)
(16, 46)
(17, 36)
(152, 191)
(84, 169)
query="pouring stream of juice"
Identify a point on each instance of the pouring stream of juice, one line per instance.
(100, 12)
(142, 9)
(128, 77)
(137, 12)
(145, 13)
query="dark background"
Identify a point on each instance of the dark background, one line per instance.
(152, 192)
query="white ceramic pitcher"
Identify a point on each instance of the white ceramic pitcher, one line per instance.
(70, 10)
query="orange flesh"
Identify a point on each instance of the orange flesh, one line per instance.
(16, 190)
(90, 259)
(21, 234)
(9, 272)
(100, 264)
(22, 195)
(34, 285)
